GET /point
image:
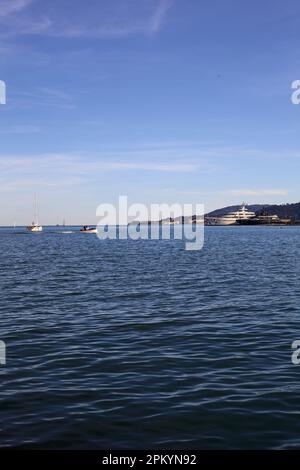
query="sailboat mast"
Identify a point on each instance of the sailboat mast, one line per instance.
(36, 214)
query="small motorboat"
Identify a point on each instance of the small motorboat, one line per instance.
(87, 229)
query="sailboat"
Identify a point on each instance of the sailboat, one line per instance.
(35, 226)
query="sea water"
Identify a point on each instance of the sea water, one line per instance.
(142, 344)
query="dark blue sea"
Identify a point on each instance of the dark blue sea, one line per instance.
(141, 344)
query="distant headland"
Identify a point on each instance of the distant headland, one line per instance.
(252, 214)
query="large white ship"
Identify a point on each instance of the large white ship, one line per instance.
(232, 218)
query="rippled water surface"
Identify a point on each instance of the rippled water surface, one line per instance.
(141, 344)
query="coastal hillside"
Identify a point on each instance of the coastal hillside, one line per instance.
(283, 210)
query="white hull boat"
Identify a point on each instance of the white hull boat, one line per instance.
(232, 218)
(86, 229)
(35, 227)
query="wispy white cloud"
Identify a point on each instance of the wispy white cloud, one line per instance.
(42, 97)
(169, 168)
(138, 22)
(171, 159)
(159, 15)
(9, 7)
(20, 129)
(59, 169)
(257, 192)
(31, 26)
(102, 21)
(88, 163)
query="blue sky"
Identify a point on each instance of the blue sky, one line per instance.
(162, 100)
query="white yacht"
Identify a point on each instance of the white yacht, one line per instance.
(232, 218)
(35, 226)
